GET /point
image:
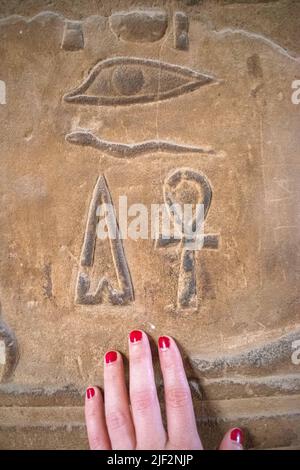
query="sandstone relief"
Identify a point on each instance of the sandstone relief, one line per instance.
(116, 149)
(119, 296)
(9, 353)
(130, 80)
(273, 354)
(73, 39)
(148, 119)
(2, 92)
(181, 30)
(179, 181)
(147, 25)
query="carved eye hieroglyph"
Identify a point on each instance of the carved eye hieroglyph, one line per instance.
(130, 80)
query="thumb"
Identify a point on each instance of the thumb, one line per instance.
(233, 440)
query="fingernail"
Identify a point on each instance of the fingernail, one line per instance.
(90, 392)
(135, 336)
(237, 436)
(164, 343)
(110, 356)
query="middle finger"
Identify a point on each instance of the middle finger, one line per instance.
(150, 433)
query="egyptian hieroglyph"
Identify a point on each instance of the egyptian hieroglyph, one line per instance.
(172, 102)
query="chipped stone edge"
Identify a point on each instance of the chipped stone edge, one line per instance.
(221, 33)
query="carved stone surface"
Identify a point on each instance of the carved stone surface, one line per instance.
(72, 37)
(102, 196)
(181, 30)
(2, 92)
(131, 80)
(133, 111)
(187, 290)
(147, 25)
(9, 353)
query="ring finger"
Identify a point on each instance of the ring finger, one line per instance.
(182, 429)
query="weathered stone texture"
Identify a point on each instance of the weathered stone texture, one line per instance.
(147, 25)
(183, 99)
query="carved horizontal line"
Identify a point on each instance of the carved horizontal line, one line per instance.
(20, 395)
(254, 407)
(269, 356)
(210, 241)
(119, 150)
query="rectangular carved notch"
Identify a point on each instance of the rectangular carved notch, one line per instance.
(181, 30)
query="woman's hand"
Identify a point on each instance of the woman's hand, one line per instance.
(120, 423)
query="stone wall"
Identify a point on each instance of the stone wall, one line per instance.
(149, 99)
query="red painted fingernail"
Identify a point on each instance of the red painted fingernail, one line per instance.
(237, 435)
(164, 342)
(90, 392)
(135, 336)
(110, 356)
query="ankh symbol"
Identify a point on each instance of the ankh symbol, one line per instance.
(187, 287)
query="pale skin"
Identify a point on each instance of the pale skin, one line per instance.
(129, 421)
